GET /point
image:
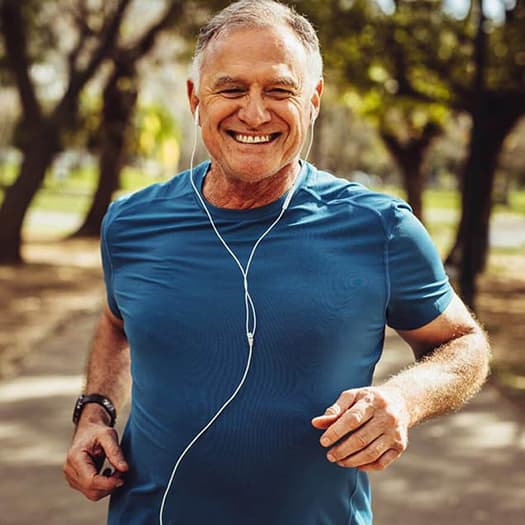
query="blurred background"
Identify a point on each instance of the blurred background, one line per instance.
(424, 99)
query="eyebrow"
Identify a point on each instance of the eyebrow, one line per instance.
(227, 80)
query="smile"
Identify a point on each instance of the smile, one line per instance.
(253, 139)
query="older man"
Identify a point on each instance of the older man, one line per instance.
(253, 291)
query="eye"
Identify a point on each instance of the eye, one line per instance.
(280, 93)
(233, 92)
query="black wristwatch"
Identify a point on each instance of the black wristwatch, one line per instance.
(99, 399)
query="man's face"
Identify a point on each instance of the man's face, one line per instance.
(255, 99)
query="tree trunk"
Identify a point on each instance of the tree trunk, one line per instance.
(409, 157)
(120, 96)
(493, 121)
(37, 154)
(414, 184)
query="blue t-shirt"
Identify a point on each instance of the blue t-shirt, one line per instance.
(341, 264)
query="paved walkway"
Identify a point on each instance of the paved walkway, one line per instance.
(463, 469)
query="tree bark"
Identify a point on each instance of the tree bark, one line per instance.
(37, 156)
(40, 134)
(409, 157)
(120, 96)
(496, 116)
(119, 101)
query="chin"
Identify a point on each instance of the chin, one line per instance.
(253, 171)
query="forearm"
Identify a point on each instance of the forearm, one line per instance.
(94, 439)
(444, 379)
(108, 365)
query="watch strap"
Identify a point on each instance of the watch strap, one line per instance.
(99, 399)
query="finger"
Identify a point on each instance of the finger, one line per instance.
(92, 485)
(90, 481)
(83, 465)
(356, 441)
(109, 442)
(345, 400)
(107, 483)
(323, 422)
(97, 494)
(351, 420)
(368, 455)
(383, 462)
(71, 475)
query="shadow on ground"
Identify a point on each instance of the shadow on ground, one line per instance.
(463, 469)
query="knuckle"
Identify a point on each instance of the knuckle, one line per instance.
(335, 434)
(390, 417)
(347, 396)
(108, 432)
(375, 451)
(352, 418)
(360, 440)
(369, 398)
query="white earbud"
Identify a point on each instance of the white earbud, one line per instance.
(196, 116)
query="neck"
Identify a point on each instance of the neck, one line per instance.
(226, 192)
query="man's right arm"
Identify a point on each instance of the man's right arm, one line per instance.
(94, 439)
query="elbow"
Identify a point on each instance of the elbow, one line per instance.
(479, 360)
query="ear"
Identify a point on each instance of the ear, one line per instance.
(316, 97)
(192, 95)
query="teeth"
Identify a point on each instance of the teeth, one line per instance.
(252, 139)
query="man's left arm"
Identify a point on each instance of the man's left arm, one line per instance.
(368, 427)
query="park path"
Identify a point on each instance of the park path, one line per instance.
(467, 468)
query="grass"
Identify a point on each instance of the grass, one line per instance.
(73, 194)
(71, 198)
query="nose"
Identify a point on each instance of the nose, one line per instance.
(253, 111)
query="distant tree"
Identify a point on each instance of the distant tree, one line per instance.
(119, 102)
(368, 56)
(422, 54)
(495, 101)
(41, 129)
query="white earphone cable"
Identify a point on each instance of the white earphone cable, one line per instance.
(248, 302)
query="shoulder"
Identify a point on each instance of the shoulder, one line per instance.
(335, 191)
(150, 195)
(152, 198)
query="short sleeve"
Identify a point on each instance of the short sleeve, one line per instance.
(107, 264)
(419, 286)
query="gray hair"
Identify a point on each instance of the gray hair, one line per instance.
(260, 14)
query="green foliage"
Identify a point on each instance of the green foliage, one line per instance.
(506, 50)
(156, 135)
